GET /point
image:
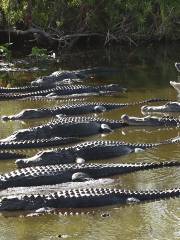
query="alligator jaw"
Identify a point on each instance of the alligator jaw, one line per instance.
(136, 121)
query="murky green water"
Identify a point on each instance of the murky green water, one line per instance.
(146, 73)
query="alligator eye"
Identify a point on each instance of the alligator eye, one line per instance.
(105, 128)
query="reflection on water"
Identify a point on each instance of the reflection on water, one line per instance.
(146, 73)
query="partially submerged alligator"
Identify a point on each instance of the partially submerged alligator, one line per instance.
(53, 174)
(150, 121)
(84, 198)
(37, 143)
(168, 107)
(90, 150)
(4, 155)
(23, 89)
(66, 127)
(63, 76)
(64, 90)
(75, 109)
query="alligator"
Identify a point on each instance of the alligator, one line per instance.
(4, 155)
(177, 66)
(168, 107)
(65, 90)
(38, 143)
(63, 76)
(23, 89)
(74, 109)
(66, 127)
(150, 121)
(54, 174)
(84, 198)
(175, 85)
(44, 189)
(89, 150)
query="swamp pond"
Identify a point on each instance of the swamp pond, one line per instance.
(146, 73)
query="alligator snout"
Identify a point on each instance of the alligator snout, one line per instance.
(144, 108)
(37, 82)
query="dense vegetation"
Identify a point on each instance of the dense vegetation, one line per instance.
(127, 21)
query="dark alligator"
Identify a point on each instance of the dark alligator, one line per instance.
(64, 90)
(84, 198)
(4, 155)
(37, 143)
(74, 109)
(90, 150)
(23, 89)
(150, 121)
(66, 127)
(54, 174)
(63, 76)
(168, 107)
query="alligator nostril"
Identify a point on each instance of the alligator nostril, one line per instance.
(144, 108)
(124, 117)
(5, 118)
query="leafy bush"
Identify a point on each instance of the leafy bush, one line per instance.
(39, 53)
(5, 52)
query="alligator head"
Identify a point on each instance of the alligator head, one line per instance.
(177, 66)
(168, 107)
(20, 135)
(143, 121)
(24, 114)
(175, 85)
(55, 78)
(48, 156)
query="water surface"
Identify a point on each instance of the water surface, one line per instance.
(146, 74)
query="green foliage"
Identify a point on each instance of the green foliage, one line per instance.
(39, 53)
(5, 52)
(152, 18)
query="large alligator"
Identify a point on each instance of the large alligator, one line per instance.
(37, 143)
(4, 155)
(84, 198)
(56, 78)
(66, 127)
(53, 174)
(150, 121)
(64, 90)
(168, 107)
(90, 150)
(23, 89)
(74, 109)
(63, 76)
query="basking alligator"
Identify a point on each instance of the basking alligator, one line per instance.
(63, 76)
(84, 198)
(53, 174)
(23, 89)
(168, 107)
(74, 109)
(150, 121)
(37, 143)
(4, 155)
(66, 127)
(64, 90)
(90, 150)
